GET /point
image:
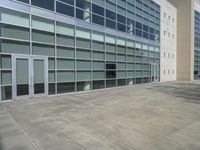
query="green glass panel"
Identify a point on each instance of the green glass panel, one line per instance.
(65, 64)
(51, 63)
(65, 76)
(22, 71)
(82, 76)
(38, 71)
(121, 66)
(6, 77)
(98, 75)
(98, 45)
(65, 52)
(98, 65)
(98, 55)
(83, 65)
(8, 46)
(83, 43)
(121, 74)
(51, 77)
(39, 49)
(110, 48)
(65, 40)
(98, 36)
(14, 32)
(65, 29)
(42, 24)
(41, 36)
(110, 57)
(14, 17)
(5, 62)
(83, 54)
(82, 33)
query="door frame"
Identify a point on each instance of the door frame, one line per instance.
(30, 59)
(154, 72)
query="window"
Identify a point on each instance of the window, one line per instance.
(42, 24)
(64, 9)
(97, 10)
(98, 20)
(98, 84)
(65, 87)
(14, 32)
(44, 4)
(24, 1)
(71, 2)
(14, 17)
(110, 71)
(84, 15)
(84, 4)
(110, 14)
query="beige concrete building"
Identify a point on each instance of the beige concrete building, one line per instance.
(187, 65)
(168, 36)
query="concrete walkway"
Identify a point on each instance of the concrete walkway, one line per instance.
(151, 117)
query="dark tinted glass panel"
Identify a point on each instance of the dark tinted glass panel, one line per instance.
(65, 87)
(98, 20)
(83, 4)
(44, 4)
(24, 1)
(22, 90)
(98, 84)
(110, 83)
(65, 9)
(145, 28)
(152, 30)
(39, 88)
(52, 88)
(121, 19)
(71, 2)
(145, 35)
(110, 14)
(138, 25)
(121, 27)
(110, 66)
(97, 10)
(83, 86)
(110, 74)
(121, 82)
(138, 32)
(110, 24)
(80, 14)
(6, 93)
(138, 80)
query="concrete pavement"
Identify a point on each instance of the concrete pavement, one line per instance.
(162, 116)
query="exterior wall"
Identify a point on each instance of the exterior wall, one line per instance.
(81, 54)
(185, 39)
(168, 41)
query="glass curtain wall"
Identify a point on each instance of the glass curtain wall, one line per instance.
(79, 59)
(197, 47)
(135, 17)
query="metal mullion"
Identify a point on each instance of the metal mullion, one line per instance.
(55, 57)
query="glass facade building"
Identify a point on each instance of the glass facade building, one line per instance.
(197, 47)
(66, 46)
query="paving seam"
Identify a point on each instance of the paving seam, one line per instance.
(22, 130)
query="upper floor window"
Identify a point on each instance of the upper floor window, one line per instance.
(44, 4)
(24, 1)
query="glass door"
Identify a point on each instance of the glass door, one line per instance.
(154, 72)
(30, 76)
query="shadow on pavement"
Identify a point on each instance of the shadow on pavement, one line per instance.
(1, 144)
(190, 92)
